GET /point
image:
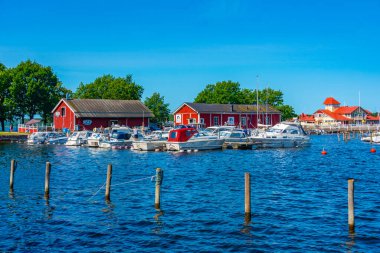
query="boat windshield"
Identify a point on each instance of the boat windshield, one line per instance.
(274, 130)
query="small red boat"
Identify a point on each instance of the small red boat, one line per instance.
(189, 139)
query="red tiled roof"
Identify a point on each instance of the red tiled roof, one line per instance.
(370, 117)
(306, 118)
(346, 109)
(335, 115)
(331, 101)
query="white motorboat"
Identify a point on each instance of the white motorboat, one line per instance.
(94, 140)
(156, 140)
(282, 135)
(189, 139)
(372, 137)
(56, 138)
(78, 138)
(215, 130)
(235, 136)
(37, 138)
(117, 140)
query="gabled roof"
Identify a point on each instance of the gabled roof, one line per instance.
(33, 121)
(334, 115)
(232, 108)
(107, 108)
(331, 101)
(346, 109)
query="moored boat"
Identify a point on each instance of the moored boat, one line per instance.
(56, 138)
(37, 138)
(372, 137)
(189, 139)
(118, 140)
(78, 138)
(282, 135)
(152, 142)
(94, 140)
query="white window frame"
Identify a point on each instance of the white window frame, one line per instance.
(216, 120)
(231, 121)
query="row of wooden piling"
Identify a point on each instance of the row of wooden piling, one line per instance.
(159, 178)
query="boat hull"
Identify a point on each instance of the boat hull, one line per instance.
(206, 144)
(280, 142)
(148, 145)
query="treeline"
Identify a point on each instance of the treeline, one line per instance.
(228, 92)
(30, 89)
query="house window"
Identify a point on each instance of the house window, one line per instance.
(202, 120)
(268, 120)
(243, 121)
(192, 121)
(231, 120)
(63, 111)
(216, 120)
(113, 122)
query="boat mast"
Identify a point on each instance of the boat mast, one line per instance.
(257, 101)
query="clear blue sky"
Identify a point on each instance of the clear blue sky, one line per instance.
(308, 49)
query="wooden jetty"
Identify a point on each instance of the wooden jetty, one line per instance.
(238, 145)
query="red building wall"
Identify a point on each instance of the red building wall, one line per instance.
(69, 120)
(186, 113)
(208, 118)
(63, 121)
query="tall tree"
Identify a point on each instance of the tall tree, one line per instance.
(5, 82)
(35, 89)
(110, 87)
(159, 108)
(225, 92)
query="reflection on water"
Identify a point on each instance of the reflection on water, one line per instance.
(350, 243)
(297, 197)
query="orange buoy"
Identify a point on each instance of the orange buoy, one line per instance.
(324, 152)
(373, 150)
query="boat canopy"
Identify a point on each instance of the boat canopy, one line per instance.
(181, 135)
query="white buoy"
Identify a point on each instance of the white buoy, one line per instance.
(195, 150)
(188, 151)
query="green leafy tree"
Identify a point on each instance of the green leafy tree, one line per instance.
(157, 105)
(35, 89)
(5, 82)
(228, 92)
(110, 87)
(287, 112)
(225, 92)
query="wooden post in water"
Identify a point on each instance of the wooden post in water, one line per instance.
(351, 218)
(157, 197)
(47, 180)
(13, 168)
(247, 199)
(108, 183)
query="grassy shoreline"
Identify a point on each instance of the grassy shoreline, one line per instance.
(12, 134)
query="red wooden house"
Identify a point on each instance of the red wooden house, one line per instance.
(245, 116)
(79, 114)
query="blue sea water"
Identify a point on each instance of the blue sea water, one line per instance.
(299, 200)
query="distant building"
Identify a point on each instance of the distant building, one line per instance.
(334, 114)
(81, 114)
(245, 116)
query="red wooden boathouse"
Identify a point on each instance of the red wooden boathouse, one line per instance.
(79, 114)
(244, 116)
